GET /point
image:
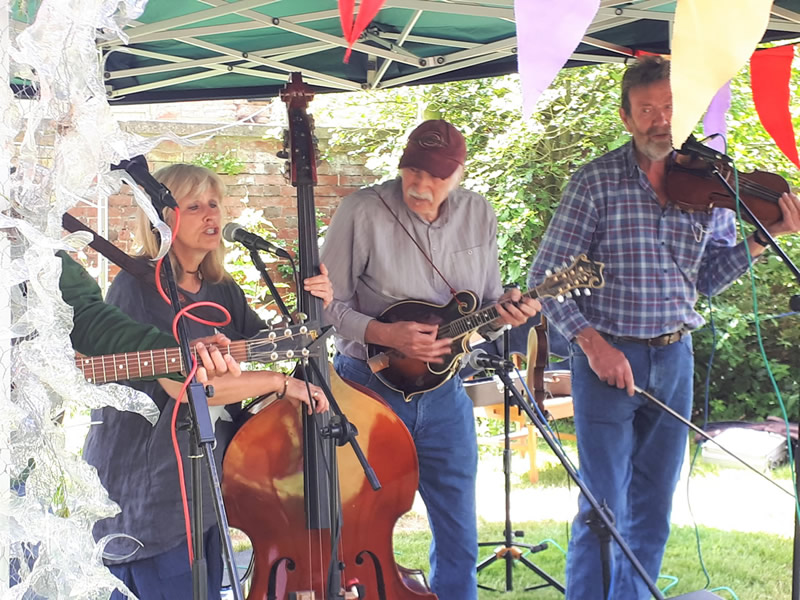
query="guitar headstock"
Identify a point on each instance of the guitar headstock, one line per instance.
(583, 274)
(283, 343)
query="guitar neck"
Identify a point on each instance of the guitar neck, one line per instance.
(479, 318)
(149, 363)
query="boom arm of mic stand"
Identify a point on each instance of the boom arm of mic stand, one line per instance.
(262, 268)
(697, 429)
(599, 511)
(746, 209)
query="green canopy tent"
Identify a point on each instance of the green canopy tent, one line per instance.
(216, 49)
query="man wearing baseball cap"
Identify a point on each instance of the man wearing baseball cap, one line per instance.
(422, 237)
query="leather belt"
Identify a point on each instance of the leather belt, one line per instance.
(658, 341)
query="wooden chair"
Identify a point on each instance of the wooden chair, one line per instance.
(487, 398)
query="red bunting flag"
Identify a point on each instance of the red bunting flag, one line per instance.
(770, 72)
(366, 12)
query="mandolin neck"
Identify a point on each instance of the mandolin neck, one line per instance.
(477, 319)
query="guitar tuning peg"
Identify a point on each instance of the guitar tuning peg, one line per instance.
(564, 264)
(568, 294)
(587, 292)
(571, 258)
(548, 272)
(560, 298)
(302, 317)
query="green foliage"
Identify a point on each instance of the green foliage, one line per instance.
(227, 163)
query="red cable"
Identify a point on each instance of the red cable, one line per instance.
(176, 448)
(181, 313)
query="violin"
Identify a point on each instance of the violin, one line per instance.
(693, 185)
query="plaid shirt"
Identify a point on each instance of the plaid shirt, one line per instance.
(656, 258)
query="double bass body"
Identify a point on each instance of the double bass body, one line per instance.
(263, 488)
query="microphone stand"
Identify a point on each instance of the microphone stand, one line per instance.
(600, 513)
(262, 268)
(201, 430)
(508, 549)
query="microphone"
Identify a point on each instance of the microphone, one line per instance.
(158, 192)
(692, 147)
(479, 359)
(233, 232)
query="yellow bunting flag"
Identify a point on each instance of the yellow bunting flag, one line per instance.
(711, 41)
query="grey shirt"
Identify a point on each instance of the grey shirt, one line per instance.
(373, 264)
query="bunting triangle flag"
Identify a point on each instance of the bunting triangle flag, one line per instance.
(546, 37)
(711, 41)
(770, 73)
(367, 10)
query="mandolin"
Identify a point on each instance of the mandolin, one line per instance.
(266, 346)
(459, 319)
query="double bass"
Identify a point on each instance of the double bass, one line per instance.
(319, 530)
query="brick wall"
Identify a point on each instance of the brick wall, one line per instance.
(261, 186)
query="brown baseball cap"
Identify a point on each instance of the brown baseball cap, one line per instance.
(435, 146)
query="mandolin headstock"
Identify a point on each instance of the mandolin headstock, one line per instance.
(583, 274)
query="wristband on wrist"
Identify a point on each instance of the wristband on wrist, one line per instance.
(760, 240)
(282, 393)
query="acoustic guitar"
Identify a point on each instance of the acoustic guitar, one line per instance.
(269, 345)
(459, 319)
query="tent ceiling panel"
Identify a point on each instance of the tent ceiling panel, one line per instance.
(213, 49)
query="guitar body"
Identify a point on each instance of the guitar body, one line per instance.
(412, 376)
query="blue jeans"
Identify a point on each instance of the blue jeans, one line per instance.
(168, 576)
(630, 457)
(442, 425)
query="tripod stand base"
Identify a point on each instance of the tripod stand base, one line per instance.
(700, 595)
(516, 552)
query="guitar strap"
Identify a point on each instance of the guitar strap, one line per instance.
(453, 291)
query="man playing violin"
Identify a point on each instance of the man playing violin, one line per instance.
(636, 330)
(422, 236)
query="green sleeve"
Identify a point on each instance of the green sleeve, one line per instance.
(101, 328)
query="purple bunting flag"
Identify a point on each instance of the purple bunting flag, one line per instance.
(546, 37)
(714, 121)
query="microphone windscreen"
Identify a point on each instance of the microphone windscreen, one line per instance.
(473, 359)
(229, 231)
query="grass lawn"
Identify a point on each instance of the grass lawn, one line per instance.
(754, 566)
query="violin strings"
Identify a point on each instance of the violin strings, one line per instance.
(766, 193)
(762, 190)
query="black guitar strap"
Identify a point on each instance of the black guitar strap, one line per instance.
(453, 291)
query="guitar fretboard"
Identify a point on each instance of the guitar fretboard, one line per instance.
(149, 363)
